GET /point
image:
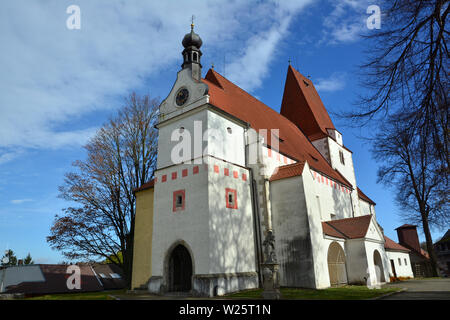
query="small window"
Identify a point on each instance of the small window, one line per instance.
(181, 130)
(179, 200)
(333, 216)
(341, 156)
(406, 263)
(399, 262)
(231, 198)
(195, 56)
(229, 130)
(179, 203)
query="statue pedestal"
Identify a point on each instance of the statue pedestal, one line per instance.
(270, 282)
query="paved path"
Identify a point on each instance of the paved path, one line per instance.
(421, 289)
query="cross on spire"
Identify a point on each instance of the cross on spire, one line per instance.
(192, 23)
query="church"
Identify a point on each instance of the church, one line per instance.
(231, 173)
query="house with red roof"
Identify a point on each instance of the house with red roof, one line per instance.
(231, 173)
(399, 258)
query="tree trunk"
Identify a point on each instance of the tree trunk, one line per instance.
(128, 256)
(430, 249)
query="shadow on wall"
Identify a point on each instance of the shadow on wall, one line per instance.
(231, 229)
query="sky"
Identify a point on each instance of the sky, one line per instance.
(59, 85)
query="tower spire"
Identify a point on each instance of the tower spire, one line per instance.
(191, 53)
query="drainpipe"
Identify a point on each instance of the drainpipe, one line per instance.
(256, 217)
(257, 227)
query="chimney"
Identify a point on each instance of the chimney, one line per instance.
(407, 236)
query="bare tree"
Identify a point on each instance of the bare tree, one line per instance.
(407, 70)
(409, 167)
(120, 158)
(407, 78)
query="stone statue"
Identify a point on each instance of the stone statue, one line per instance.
(269, 247)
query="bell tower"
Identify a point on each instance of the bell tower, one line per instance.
(192, 54)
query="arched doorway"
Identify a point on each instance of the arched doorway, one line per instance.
(180, 270)
(378, 264)
(336, 265)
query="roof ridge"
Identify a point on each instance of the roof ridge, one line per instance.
(244, 91)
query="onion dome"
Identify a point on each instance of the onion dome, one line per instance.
(192, 39)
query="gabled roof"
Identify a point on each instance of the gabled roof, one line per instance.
(287, 171)
(349, 228)
(302, 105)
(390, 244)
(145, 186)
(362, 196)
(55, 281)
(445, 237)
(231, 99)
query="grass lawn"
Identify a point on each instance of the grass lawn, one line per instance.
(101, 295)
(341, 293)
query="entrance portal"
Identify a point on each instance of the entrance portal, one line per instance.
(379, 271)
(180, 270)
(336, 265)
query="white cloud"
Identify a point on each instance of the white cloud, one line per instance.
(20, 201)
(334, 82)
(9, 155)
(252, 65)
(346, 22)
(52, 76)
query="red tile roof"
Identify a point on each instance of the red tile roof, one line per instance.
(290, 170)
(390, 244)
(364, 197)
(145, 186)
(330, 231)
(56, 281)
(233, 100)
(303, 106)
(406, 226)
(349, 228)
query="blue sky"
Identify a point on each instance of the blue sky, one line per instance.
(58, 86)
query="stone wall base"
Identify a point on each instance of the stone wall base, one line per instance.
(211, 285)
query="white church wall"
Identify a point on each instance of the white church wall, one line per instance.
(292, 235)
(366, 208)
(190, 225)
(186, 121)
(272, 159)
(231, 230)
(346, 169)
(357, 261)
(318, 243)
(403, 267)
(371, 247)
(330, 198)
(226, 139)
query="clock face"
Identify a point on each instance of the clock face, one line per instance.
(182, 96)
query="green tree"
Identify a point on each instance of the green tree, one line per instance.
(10, 257)
(28, 260)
